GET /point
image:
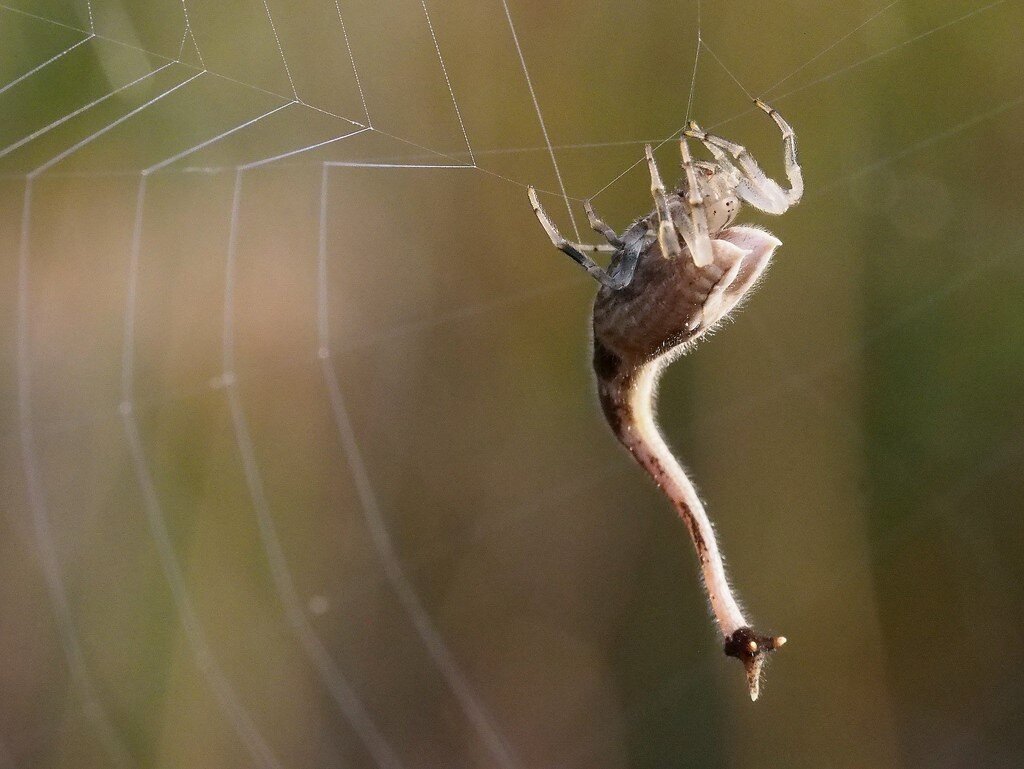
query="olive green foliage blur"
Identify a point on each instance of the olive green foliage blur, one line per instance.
(183, 358)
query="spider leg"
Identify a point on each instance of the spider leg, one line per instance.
(575, 250)
(699, 241)
(694, 131)
(758, 190)
(667, 237)
(621, 274)
(599, 225)
(556, 236)
(793, 172)
(743, 185)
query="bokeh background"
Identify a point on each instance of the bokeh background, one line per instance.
(302, 465)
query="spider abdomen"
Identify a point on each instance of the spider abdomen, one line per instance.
(672, 302)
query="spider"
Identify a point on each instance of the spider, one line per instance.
(698, 211)
(658, 296)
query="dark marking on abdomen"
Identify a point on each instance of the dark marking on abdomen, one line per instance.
(606, 363)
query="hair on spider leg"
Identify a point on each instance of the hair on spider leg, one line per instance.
(675, 275)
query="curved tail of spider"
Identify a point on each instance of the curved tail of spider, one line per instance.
(627, 397)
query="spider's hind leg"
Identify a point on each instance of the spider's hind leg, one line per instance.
(600, 227)
(619, 278)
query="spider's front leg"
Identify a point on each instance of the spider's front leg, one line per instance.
(793, 172)
(756, 187)
(619, 277)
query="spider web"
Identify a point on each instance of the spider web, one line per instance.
(291, 476)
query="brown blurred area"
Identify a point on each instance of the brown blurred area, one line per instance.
(302, 465)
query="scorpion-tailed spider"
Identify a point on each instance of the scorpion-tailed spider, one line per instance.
(658, 297)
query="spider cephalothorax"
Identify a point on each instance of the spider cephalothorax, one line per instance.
(674, 274)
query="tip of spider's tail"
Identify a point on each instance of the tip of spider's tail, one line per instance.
(763, 106)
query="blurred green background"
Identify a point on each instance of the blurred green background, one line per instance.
(302, 465)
